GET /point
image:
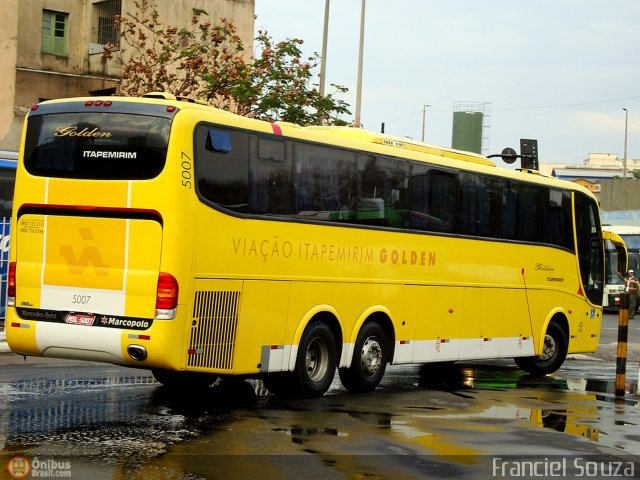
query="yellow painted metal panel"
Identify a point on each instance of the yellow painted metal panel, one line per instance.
(87, 192)
(28, 246)
(262, 322)
(483, 312)
(143, 266)
(21, 335)
(439, 315)
(85, 252)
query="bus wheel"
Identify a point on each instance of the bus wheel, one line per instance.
(369, 360)
(316, 361)
(315, 366)
(183, 380)
(553, 353)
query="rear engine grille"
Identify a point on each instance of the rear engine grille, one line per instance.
(213, 330)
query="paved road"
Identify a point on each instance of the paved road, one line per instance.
(114, 422)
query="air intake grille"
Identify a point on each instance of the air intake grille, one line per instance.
(213, 331)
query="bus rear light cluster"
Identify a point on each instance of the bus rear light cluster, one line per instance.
(98, 103)
(166, 296)
(11, 285)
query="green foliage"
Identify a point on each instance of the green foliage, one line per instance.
(208, 62)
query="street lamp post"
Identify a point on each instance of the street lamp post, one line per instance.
(356, 122)
(424, 119)
(323, 60)
(624, 160)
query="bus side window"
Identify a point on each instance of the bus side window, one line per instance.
(433, 200)
(509, 210)
(442, 200)
(324, 183)
(528, 213)
(521, 212)
(473, 204)
(222, 167)
(383, 191)
(270, 178)
(479, 205)
(398, 176)
(556, 228)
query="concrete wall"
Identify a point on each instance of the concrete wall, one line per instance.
(620, 194)
(29, 75)
(8, 58)
(620, 202)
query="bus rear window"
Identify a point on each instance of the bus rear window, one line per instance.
(104, 146)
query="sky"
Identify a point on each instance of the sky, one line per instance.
(559, 71)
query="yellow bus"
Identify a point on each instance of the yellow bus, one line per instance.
(615, 263)
(168, 235)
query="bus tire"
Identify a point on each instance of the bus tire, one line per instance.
(174, 379)
(554, 353)
(369, 360)
(316, 361)
(315, 368)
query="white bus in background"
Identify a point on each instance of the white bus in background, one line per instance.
(614, 284)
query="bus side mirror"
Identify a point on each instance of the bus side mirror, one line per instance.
(509, 155)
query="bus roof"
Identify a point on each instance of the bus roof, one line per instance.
(347, 137)
(399, 142)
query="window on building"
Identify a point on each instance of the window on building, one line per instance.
(104, 27)
(54, 33)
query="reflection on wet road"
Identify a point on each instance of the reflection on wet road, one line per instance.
(111, 422)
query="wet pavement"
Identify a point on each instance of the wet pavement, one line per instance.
(476, 420)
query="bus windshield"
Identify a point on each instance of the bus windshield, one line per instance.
(615, 264)
(105, 146)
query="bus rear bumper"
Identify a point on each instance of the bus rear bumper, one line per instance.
(49, 339)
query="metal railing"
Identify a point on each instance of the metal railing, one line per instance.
(5, 241)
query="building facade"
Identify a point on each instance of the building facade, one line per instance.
(53, 49)
(602, 173)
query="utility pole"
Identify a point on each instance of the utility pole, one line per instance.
(356, 121)
(323, 60)
(624, 160)
(424, 119)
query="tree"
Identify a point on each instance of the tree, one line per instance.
(207, 62)
(279, 86)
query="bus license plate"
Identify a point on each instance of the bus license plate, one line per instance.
(80, 319)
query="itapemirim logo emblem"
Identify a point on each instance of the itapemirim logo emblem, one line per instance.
(18, 467)
(89, 255)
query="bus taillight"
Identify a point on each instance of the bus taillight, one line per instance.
(11, 285)
(167, 296)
